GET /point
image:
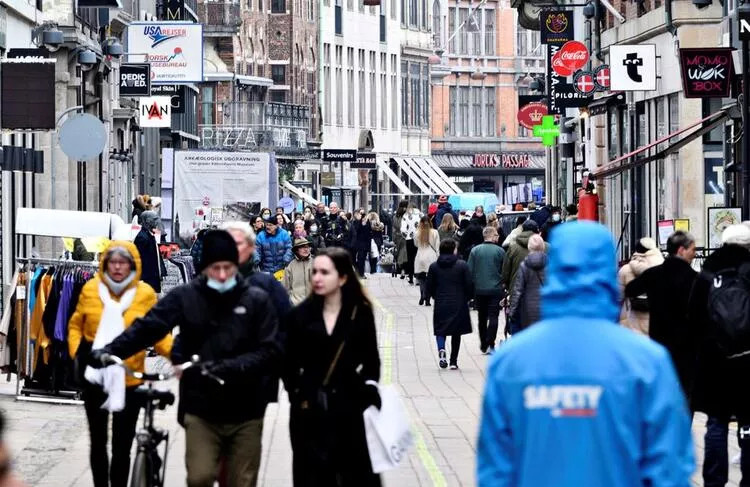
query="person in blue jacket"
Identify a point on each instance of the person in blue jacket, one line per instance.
(577, 400)
(444, 208)
(274, 247)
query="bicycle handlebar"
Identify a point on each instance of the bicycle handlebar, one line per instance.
(194, 361)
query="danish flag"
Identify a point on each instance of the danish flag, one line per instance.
(602, 77)
(585, 83)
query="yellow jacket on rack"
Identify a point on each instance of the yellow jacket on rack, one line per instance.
(85, 320)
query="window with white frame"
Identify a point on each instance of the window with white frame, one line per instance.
(527, 42)
(327, 83)
(489, 32)
(476, 32)
(383, 90)
(373, 93)
(394, 92)
(339, 86)
(472, 111)
(490, 124)
(350, 86)
(404, 94)
(361, 95)
(413, 9)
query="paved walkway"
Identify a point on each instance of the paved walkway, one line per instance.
(51, 441)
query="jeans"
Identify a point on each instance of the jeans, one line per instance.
(361, 258)
(488, 308)
(411, 255)
(206, 443)
(455, 346)
(123, 431)
(716, 462)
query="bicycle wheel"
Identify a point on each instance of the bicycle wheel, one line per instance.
(139, 476)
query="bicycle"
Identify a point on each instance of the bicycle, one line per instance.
(149, 469)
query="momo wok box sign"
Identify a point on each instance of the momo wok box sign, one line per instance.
(174, 50)
(707, 72)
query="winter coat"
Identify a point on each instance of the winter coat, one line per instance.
(470, 239)
(482, 219)
(636, 320)
(409, 224)
(339, 233)
(516, 254)
(444, 209)
(486, 265)
(449, 284)
(152, 264)
(269, 284)
(548, 227)
(719, 389)
(84, 322)
(237, 330)
(399, 241)
(445, 235)
(512, 236)
(668, 287)
(275, 250)
(576, 400)
(337, 432)
(362, 234)
(298, 279)
(541, 215)
(377, 234)
(427, 254)
(525, 301)
(323, 220)
(317, 241)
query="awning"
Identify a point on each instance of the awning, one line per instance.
(441, 184)
(434, 188)
(629, 161)
(448, 181)
(394, 178)
(600, 105)
(299, 193)
(240, 78)
(413, 176)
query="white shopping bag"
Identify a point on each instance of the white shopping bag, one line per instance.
(388, 432)
(374, 251)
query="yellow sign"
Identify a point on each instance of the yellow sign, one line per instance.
(682, 224)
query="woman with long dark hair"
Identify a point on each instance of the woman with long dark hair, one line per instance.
(332, 352)
(398, 239)
(428, 242)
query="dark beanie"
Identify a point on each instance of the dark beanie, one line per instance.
(530, 225)
(218, 246)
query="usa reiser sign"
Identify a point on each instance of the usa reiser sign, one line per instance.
(174, 50)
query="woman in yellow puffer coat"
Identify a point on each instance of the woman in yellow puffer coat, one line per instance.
(109, 303)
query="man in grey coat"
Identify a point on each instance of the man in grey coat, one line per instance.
(525, 297)
(486, 264)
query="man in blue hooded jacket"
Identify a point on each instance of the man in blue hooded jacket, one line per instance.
(576, 400)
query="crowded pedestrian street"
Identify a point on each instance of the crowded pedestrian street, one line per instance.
(50, 446)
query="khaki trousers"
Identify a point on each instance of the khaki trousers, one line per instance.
(206, 443)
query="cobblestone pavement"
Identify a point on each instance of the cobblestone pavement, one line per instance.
(51, 441)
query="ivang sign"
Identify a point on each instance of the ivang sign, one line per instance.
(707, 72)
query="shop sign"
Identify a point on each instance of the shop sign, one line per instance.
(251, 137)
(28, 93)
(174, 10)
(531, 114)
(345, 155)
(135, 80)
(744, 24)
(155, 111)
(633, 67)
(176, 93)
(524, 100)
(602, 78)
(365, 160)
(562, 94)
(547, 130)
(571, 57)
(556, 26)
(174, 50)
(583, 82)
(707, 72)
(328, 178)
(506, 161)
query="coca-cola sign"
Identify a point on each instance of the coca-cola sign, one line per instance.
(531, 114)
(559, 66)
(707, 72)
(506, 161)
(574, 55)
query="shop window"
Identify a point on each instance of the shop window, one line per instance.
(711, 106)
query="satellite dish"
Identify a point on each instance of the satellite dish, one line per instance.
(83, 137)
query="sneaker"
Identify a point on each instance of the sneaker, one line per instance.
(454, 366)
(427, 303)
(421, 301)
(443, 359)
(483, 349)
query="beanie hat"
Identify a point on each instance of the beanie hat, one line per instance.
(736, 235)
(536, 243)
(218, 246)
(530, 225)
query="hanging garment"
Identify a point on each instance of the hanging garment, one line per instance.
(39, 339)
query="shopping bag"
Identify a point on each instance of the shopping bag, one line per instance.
(388, 432)
(374, 251)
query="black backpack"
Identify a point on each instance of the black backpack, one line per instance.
(729, 310)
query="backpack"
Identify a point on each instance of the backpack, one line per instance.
(729, 310)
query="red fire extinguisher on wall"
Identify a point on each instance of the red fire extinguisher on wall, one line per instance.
(588, 201)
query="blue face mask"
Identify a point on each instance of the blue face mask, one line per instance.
(222, 287)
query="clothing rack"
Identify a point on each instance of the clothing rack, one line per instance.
(31, 394)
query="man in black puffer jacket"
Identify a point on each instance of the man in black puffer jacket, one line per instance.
(233, 328)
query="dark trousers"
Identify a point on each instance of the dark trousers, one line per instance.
(488, 308)
(123, 432)
(422, 280)
(716, 462)
(361, 259)
(411, 255)
(455, 346)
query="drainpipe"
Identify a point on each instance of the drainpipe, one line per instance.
(668, 18)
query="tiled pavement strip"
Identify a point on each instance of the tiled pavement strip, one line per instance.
(51, 441)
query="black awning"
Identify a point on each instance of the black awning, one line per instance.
(600, 105)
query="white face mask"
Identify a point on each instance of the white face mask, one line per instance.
(222, 287)
(556, 217)
(313, 228)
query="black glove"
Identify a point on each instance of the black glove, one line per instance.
(99, 358)
(372, 396)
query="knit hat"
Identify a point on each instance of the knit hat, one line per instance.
(530, 225)
(736, 235)
(300, 242)
(218, 246)
(443, 199)
(536, 243)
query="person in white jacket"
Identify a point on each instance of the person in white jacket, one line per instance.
(634, 313)
(428, 243)
(409, 224)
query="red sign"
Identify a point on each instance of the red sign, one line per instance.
(531, 114)
(601, 76)
(574, 55)
(584, 83)
(559, 66)
(506, 161)
(707, 72)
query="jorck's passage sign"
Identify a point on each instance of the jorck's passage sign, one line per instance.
(707, 72)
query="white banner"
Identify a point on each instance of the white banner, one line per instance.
(632, 67)
(174, 50)
(237, 182)
(156, 111)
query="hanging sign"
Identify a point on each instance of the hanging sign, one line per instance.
(365, 160)
(135, 80)
(174, 50)
(633, 67)
(547, 130)
(559, 66)
(707, 72)
(562, 94)
(176, 93)
(584, 82)
(574, 55)
(155, 111)
(531, 114)
(524, 100)
(556, 26)
(601, 78)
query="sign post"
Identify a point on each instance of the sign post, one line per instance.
(744, 35)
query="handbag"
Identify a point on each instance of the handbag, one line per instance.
(387, 430)
(374, 252)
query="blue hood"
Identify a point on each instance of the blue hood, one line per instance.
(581, 273)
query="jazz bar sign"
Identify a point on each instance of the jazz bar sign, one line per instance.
(135, 80)
(707, 72)
(155, 111)
(506, 161)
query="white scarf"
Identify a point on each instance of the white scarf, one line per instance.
(112, 324)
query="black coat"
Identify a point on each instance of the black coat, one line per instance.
(361, 235)
(718, 390)
(331, 441)
(338, 233)
(237, 330)
(470, 238)
(668, 287)
(450, 284)
(323, 221)
(151, 263)
(525, 301)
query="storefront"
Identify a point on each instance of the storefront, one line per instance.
(515, 177)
